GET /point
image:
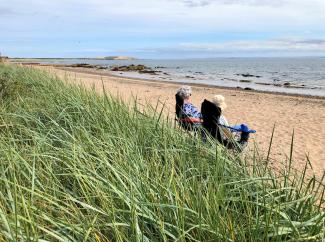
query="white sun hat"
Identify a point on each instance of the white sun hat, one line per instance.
(219, 101)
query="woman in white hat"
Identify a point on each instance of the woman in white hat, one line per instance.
(220, 102)
(242, 136)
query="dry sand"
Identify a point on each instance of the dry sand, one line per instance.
(261, 111)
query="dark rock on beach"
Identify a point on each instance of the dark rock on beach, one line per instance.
(229, 79)
(83, 65)
(129, 68)
(262, 83)
(248, 75)
(191, 77)
(148, 72)
(119, 68)
(115, 69)
(101, 68)
(247, 81)
(294, 86)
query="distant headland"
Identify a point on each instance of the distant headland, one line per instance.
(118, 58)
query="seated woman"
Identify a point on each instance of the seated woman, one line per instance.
(217, 125)
(188, 115)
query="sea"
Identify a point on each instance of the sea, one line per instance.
(305, 76)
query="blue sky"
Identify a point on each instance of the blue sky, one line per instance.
(162, 28)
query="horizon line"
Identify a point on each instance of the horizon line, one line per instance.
(175, 58)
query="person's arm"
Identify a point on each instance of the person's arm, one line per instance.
(223, 120)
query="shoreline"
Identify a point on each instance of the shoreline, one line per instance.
(98, 72)
(108, 72)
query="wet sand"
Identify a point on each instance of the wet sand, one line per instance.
(261, 111)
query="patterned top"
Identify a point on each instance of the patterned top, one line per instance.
(190, 111)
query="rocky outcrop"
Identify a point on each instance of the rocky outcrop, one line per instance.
(85, 65)
(138, 68)
(130, 68)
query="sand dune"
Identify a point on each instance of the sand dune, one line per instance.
(261, 111)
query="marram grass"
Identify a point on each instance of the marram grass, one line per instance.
(76, 166)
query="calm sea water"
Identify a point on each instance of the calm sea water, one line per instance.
(290, 75)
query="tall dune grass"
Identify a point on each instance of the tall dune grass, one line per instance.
(77, 166)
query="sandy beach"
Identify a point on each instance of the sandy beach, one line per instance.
(261, 111)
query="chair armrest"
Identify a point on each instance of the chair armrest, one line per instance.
(191, 120)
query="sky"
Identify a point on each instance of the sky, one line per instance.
(162, 28)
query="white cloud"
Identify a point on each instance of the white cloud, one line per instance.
(238, 23)
(271, 47)
(202, 15)
(200, 3)
(6, 11)
(289, 44)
